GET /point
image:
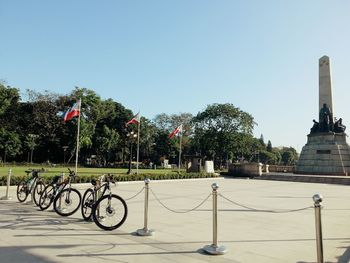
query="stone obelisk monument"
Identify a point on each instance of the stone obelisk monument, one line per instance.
(325, 84)
(326, 151)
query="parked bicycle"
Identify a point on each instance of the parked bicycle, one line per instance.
(67, 201)
(109, 211)
(50, 191)
(32, 185)
(90, 197)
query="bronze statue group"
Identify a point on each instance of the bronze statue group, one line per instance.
(326, 122)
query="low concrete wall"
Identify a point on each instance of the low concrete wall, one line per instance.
(281, 168)
(246, 169)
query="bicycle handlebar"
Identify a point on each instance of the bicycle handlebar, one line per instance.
(71, 173)
(108, 178)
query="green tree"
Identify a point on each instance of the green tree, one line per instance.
(8, 96)
(262, 140)
(163, 147)
(147, 139)
(39, 116)
(267, 157)
(10, 144)
(289, 156)
(91, 113)
(269, 146)
(216, 130)
(106, 142)
(168, 123)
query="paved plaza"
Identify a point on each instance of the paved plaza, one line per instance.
(268, 234)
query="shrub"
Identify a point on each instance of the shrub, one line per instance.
(86, 178)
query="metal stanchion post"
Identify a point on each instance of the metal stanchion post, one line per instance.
(60, 201)
(7, 196)
(145, 231)
(214, 249)
(319, 241)
(98, 196)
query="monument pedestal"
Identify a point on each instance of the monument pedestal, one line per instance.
(325, 153)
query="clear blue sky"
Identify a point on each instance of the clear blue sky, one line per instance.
(179, 56)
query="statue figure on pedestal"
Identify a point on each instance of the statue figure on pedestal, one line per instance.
(325, 119)
(315, 128)
(338, 126)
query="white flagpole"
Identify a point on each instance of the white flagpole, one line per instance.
(78, 133)
(180, 148)
(138, 146)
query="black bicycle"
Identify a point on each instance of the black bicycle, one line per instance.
(109, 211)
(50, 191)
(68, 200)
(90, 197)
(32, 185)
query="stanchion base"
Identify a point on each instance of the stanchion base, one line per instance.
(215, 250)
(145, 232)
(6, 198)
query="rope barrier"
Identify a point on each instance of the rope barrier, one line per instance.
(264, 210)
(176, 211)
(127, 199)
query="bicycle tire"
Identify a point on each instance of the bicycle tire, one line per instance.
(87, 204)
(38, 189)
(67, 199)
(22, 191)
(110, 212)
(47, 197)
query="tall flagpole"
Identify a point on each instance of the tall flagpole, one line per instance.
(138, 147)
(180, 148)
(78, 133)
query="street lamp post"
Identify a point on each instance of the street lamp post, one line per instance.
(131, 136)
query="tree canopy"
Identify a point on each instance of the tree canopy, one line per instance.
(34, 130)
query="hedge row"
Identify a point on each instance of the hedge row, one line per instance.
(15, 179)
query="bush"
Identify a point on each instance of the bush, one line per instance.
(15, 179)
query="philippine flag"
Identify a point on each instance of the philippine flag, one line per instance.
(176, 131)
(135, 119)
(72, 112)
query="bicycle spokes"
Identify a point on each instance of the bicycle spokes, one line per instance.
(110, 212)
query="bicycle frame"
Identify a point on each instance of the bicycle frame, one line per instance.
(31, 182)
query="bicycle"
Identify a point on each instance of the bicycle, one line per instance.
(109, 211)
(68, 200)
(33, 185)
(89, 198)
(50, 191)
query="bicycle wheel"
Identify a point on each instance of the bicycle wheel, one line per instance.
(87, 204)
(110, 212)
(47, 197)
(22, 191)
(67, 202)
(38, 189)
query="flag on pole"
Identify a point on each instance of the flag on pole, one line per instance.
(135, 119)
(176, 131)
(72, 112)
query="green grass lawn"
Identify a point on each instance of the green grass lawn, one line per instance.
(20, 170)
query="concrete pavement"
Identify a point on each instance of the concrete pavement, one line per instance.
(30, 235)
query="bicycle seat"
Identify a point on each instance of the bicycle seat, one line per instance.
(94, 182)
